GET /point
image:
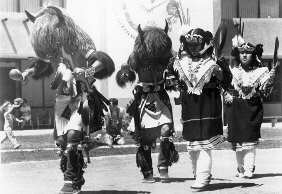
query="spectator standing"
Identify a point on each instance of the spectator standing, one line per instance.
(7, 108)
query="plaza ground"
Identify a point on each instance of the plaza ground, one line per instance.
(34, 168)
(39, 145)
(119, 175)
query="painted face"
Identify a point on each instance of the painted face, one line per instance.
(245, 58)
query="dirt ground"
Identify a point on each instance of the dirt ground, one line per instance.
(119, 175)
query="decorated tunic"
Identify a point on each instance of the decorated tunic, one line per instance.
(201, 102)
(151, 106)
(245, 112)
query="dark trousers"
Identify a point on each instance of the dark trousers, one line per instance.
(73, 158)
(147, 140)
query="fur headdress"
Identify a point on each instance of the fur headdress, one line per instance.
(53, 30)
(55, 35)
(152, 50)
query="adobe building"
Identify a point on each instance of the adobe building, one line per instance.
(15, 49)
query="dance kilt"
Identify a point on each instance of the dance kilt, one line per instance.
(202, 120)
(244, 119)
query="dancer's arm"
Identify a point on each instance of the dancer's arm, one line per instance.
(226, 75)
(267, 87)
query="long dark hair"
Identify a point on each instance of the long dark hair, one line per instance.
(207, 38)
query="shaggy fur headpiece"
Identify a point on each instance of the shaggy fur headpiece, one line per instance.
(53, 30)
(55, 36)
(152, 49)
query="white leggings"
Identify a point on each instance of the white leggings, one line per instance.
(246, 159)
(201, 164)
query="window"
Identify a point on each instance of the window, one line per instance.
(251, 8)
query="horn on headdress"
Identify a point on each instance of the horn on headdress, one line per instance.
(140, 32)
(166, 27)
(59, 14)
(30, 16)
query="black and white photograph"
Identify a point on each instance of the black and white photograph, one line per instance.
(140, 96)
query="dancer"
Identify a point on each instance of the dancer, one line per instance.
(59, 42)
(251, 81)
(151, 109)
(200, 80)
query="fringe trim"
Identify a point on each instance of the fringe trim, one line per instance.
(205, 144)
(197, 89)
(244, 146)
(237, 82)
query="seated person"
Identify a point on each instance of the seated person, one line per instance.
(24, 111)
(114, 123)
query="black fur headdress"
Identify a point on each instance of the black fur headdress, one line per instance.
(152, 48)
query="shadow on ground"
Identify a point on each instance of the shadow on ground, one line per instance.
(220, 186)
(115, 192)
(173, 180)
(257, 176)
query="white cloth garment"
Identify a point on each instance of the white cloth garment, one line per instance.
(201, 164)
(75, 123)
(161, 115)
(249, 159)
(246, 159)
(61, 103)
(194, 155)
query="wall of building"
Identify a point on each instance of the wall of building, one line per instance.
(15, 48)
(112, 25)
(262, 23)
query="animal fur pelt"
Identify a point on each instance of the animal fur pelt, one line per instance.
(142, 160)
(53, 30)
(108, 66)
(92, 110)
(124, 75)
(41, 68)
(152, 50)
(169, 151)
